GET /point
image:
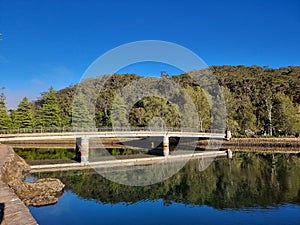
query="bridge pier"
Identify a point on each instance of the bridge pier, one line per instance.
(152, 145)
(82, 149)
(166, 149)
(229, 154)
(228, 135)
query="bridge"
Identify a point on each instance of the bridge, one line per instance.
(82, 136)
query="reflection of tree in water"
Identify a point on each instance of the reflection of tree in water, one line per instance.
(249, 180)
(45, 153)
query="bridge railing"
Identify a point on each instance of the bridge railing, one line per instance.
(105, 129)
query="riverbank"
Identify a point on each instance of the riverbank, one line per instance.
(12, 210)
(264, 142)
(15, 194)
(253, 142)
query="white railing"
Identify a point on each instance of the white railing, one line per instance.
(105, 129)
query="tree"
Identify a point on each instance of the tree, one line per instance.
(201, 104)
(244, 114)
(49, 113)
(285, 114)
(249, 96)
(81, 116)
(231, 109)
(119, 112)
(102, 108)
(12, 116)
(5, 121)
(65, 102)
(23, 116)
(155, 112)
(269, 107)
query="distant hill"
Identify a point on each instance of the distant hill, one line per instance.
(258, 99)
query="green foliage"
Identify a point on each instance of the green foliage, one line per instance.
(202, 105)
(81, 116)
(49, 113)
(244, 113)
(119, 114)
(43, 153)
(255, 88)
(65, 102)
(286, 118)
(23, 116)
(154, 112)
(5, 121)
(105, 98)
(230, 99)
(12, 115)
(256, 98)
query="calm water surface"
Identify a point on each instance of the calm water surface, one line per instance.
(250, 189)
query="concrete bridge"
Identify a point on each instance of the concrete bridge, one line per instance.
(82, 137)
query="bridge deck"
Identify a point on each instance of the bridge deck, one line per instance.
(106, 134)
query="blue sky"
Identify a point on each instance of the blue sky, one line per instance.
(53, 42)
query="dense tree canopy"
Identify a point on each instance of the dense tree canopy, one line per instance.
(154, 112)
(259, 99)
(256, 88)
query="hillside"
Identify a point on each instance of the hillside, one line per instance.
(257, 99)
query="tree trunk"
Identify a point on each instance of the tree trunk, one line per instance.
(269, 109)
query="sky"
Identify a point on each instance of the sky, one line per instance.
(53, 42)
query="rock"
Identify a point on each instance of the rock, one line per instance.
(46, 185)
(41, 201)
(41, 192)
(15, 169)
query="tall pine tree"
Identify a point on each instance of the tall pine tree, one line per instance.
(4, 117)
(12, 115)
(23, 116)
(119, 112)
(49, 113)
(81, 116)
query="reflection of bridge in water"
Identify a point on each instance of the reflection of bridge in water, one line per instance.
(113, 165)
(83, 136)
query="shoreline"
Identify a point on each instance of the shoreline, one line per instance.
(265, 142)
(254, 142)
(13, 210)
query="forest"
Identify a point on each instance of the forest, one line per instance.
(258, 101)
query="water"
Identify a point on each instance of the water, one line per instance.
(74, 210)
(62, 155)
(250, 189)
